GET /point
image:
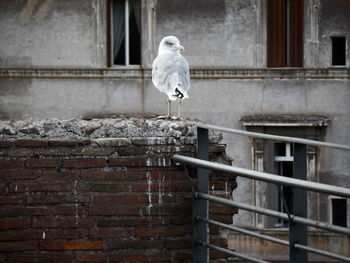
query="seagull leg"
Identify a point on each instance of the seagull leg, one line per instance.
(169, 110)
(178, 111)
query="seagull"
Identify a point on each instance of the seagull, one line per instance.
(170, 73)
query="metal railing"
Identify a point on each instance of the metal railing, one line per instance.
(296, 214)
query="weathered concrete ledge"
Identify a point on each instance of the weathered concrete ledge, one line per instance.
(97, 128)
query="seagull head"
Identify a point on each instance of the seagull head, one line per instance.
(170, 43)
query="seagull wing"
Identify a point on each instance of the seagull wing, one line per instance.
(171, 71)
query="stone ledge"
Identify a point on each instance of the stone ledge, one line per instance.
(112, 132)
(196, 73)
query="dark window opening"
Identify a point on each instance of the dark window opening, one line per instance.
(125, 36)
(285, 30)
(339, 208)
(284, 160)
(338, 51)
(286, 169)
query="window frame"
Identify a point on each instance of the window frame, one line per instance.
(110, 40)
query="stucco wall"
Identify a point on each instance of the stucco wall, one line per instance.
(220, 33)
(48, 33)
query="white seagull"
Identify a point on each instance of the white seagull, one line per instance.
(170, 72)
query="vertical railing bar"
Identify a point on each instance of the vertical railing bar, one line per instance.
(201, 206)
(297, 231)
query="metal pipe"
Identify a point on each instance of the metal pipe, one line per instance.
(266, 177)
(275, 240)
(232, 253)
(276, 137)
(245, 231)
(268, 212)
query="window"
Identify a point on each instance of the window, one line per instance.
(338, 211)
(285, 29)
(125, 36)
(338, 51)
(277, 158)
(284, 160)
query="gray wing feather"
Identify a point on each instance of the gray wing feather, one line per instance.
(163, 69)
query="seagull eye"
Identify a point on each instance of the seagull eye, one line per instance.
(169, 43)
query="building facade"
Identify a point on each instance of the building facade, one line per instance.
(272, 66)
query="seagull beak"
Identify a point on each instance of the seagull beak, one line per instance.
(181, 48)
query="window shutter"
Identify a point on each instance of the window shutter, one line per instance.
(276, 33)
(297, 33)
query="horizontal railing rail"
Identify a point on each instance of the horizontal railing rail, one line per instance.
(297, 217)
(276, 137)
(274, 240)
(270, 178)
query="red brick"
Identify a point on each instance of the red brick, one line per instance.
(112, 175)
(151, 244)
(84, 163)
(65, 234)
(181, 256)
(110, 233)
(19, 174)
(42, 186)
(14, 223)
(57, 198)
(41, 163)
(141, 257)
(72, 209)
(169, 209)
(11, 164)
(65, 222)
(178, 243)
(76, 151)
(113, 210)
(31, 143)
(21, 235)
(124, 199)
(91, 258)
(122, 222)
(40, 258)
(71, 245)
(165, 187)
(173, 175)
(140, 162)
(12, 199)
(127, 162)
(18, 246)
(224, 210)
(23, 211)
(105, 187)
(132, 150)
(163, 231)
(6, 143)
(136, 244)
(68, 142)
(61, 175)
(19, 152)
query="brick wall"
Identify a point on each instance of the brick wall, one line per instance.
(99, 197)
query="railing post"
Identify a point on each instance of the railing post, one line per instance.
(200, 206)
(297, 231)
